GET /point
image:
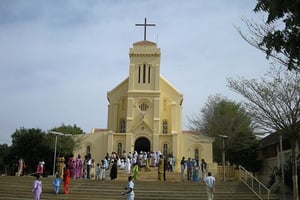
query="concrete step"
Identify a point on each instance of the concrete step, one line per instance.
(146, 188)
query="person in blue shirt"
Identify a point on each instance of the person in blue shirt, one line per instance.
(189, 165)
(56, 184)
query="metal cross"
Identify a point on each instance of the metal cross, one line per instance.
(145, 25)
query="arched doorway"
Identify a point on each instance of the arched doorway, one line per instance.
(142, 144)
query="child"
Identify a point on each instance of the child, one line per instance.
(56, 184)
(37, 188)
(98, 170)
(129, 188)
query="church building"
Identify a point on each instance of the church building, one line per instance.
(145, 114)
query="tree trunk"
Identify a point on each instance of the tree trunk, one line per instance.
(294, 143)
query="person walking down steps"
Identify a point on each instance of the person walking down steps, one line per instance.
(129, 188)
(37, 188)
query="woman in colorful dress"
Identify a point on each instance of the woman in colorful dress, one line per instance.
(37, 188)
(78, 166)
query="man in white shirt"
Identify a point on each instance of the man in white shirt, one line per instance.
(129, 188)
(210, 185)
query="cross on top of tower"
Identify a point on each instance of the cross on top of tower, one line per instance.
(145, 26)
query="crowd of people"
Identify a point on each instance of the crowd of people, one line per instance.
(196, 171)
(71, 167)
(192, 169)
(87, 168)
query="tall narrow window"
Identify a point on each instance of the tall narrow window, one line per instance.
(197, 155)
(139, 75)
(165, 127)
(144, 73)
(122, 126)
(165, 149)
(119, 149)
(149, 75)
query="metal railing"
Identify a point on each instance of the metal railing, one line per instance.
(261, 191)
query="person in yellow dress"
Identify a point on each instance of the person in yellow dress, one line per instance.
(161, 168)
(60, 165)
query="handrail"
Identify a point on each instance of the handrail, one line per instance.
(254, 184)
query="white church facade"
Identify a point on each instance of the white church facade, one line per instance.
(145, 114)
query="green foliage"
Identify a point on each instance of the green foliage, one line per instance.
(285, 39)
(221, 116)
(34, 145)
(273, 103)
(68, 129)
(29, 144)
(244, 153)
(4, 152)
(65, 145)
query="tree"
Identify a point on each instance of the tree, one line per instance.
(68, 129)
(34, 145)
(220, 116)
(285, 39)
(31, 145)
(4, 152)
(273, 103)
(278, 36)
(66, 145)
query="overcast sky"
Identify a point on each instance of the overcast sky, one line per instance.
(59, 58)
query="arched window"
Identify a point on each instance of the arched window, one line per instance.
(196, 154)
(165, 127)
(165, 149)
(122, 126)
(119, 149)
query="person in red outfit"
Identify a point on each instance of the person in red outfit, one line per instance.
(71, 165)
(67, 180)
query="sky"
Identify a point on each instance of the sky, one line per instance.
(58, 59)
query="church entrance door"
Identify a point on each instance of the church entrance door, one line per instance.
(142, 144)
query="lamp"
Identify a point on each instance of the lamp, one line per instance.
(55, 146)
(224, 137)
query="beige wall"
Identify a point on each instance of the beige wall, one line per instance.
(163, 102)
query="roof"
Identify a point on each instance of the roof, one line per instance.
(144, 42)
(98, 130)
(271, 139)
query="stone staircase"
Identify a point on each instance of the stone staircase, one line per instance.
(147, 187)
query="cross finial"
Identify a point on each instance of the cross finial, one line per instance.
(145, 25)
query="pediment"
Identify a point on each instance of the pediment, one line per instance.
(142, 126)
